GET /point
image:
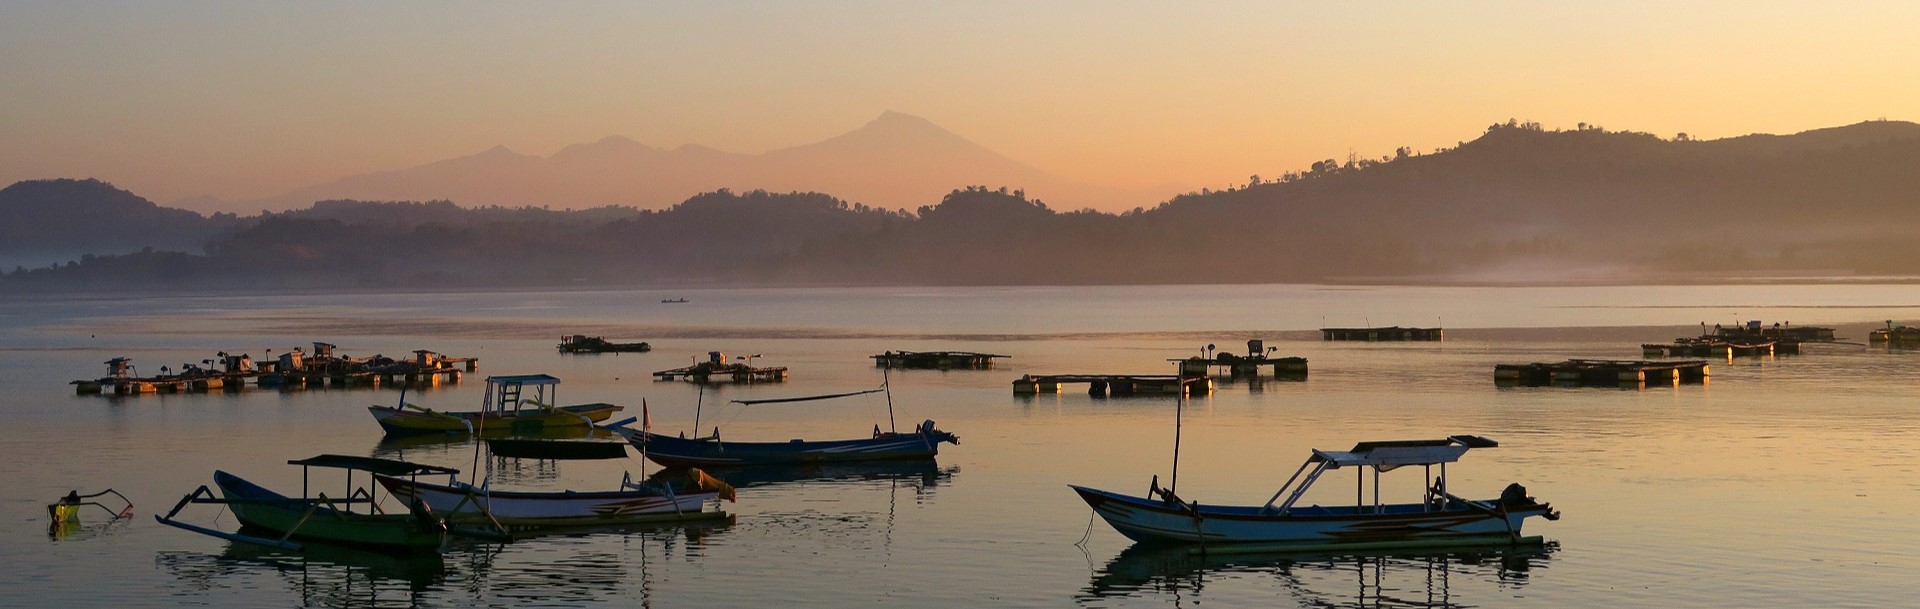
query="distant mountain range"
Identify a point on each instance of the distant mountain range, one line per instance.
(1519, 204)
(895, 161)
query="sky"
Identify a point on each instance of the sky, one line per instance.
(247, 100)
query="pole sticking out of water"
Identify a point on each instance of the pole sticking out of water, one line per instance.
(886, 382)
(697, 401)
(1179, 405)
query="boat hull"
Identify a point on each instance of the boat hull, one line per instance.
(672, 451)
(398, 421)
(1396, 526)
(262, 509)
(561, 508)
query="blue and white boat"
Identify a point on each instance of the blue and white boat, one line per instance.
(923, 443)
(1441, 519)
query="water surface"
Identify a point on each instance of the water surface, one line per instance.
(1782, 482)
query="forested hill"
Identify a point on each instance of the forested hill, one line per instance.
(50, 220)
(1517, 204)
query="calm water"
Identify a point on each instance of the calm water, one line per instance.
(1782, 482)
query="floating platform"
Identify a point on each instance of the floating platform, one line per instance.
(1714, 347)
(593, 344)
(1390, 333)
(1258, 355)
(1600, 373)
(1756, 332)
(731, 373)
(1114, 384)
(294, 369)
(718, 370)
(940, 360)
(1895, 334)
(1236, 366)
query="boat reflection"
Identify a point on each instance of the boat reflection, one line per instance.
(925, 475)
(320, 575)
(74, 530)
(565, 569)
(397, 446)
(1428, 579)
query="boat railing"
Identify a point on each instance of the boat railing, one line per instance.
(1297, 491)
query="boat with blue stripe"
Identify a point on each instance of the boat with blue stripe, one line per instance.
(922, 443)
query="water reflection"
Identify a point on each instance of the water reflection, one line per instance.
(74, 530)
(321, 575)
(924, 476)
(1451, 579)
(576, 568)
(393, 446)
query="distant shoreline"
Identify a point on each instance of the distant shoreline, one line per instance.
(677, 290)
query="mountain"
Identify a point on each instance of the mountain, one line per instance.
(1518, 204)
(895, 161)
(50, 221)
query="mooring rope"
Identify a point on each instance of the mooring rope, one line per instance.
(1082, 544)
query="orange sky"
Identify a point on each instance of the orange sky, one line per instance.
(247, 100)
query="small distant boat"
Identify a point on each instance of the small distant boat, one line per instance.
(503, 408)
(319, 517)
(673, 300)
(1442, 519)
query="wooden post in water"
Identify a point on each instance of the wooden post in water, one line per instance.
(886, 382)
(1179, 406)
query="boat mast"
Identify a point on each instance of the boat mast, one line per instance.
(697, 401)
(886, 382)
(1179, 405)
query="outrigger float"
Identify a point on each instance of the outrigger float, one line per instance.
(67, 509)
(504, 407)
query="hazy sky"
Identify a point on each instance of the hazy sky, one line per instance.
(249, 99)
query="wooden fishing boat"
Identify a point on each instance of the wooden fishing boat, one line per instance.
(1441, 519)
(922, 443)
(283, 518)
(504, 407)
(671, 451)
(667, 496)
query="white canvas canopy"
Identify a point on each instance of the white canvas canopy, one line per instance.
(1382, 457)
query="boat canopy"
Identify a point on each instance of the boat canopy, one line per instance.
(387, 467)
(524, 379)
(1395, 453)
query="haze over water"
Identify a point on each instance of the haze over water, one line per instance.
(1782, 482)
